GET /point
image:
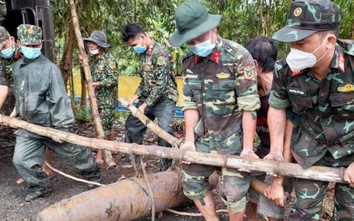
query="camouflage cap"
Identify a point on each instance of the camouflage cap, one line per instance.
(98, 37)
(192, 20)
(307, 17)
(29, 34)
(4, 35)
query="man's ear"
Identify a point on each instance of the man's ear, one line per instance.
(331, 41)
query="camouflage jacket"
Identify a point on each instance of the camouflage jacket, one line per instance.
(220, 86)
(6, 68)
(41, 94)
(104, 69)
(157, 75)
(325, 108)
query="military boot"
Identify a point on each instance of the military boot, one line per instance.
(32, 195)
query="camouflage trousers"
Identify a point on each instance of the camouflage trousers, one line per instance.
(233, 187)
(310, 194)
(107, 118)
(30, 153)
(164, 110)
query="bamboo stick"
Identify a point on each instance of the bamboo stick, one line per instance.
(281, 168)
(91, 92)
(150, 124)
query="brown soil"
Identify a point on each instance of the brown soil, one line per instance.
(13, 206)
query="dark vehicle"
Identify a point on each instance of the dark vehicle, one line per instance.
(35, 12)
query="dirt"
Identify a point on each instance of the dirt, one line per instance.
(13, 206)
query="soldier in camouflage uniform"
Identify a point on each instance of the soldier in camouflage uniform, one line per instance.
(316, 81)
(157, 92)
(220, 101)
(9, 54)
(41, 99)
(104, 72)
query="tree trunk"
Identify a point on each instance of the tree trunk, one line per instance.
(328, 174)
(124, 200)
(91, 92)
(66, 62)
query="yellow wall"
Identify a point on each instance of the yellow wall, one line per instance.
(127, 85)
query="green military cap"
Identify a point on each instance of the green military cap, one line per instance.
(307, 17)
(29, 34)
(98, 37)
(192, 20)
(4, 35)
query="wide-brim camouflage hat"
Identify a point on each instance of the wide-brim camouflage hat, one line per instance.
(192, 20)
(4, 35)
(29, 34)
(307, 17)
(98, 37)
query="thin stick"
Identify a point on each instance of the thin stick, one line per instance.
(72, 177)
(193, 214)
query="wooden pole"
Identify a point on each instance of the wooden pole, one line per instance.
(150, 124)
(91, 92)
(281, 168)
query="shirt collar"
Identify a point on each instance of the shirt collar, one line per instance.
(214, 55)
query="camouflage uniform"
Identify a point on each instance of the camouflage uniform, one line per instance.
(104, 70)
(6, 72)
(220, 86)
(158, 90)
(41, 99)
(325, 109)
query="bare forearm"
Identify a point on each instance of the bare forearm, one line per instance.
(249, 129)
(191, 118)
(276, 124)
(4, 90)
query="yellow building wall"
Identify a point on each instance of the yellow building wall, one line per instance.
(127, 85)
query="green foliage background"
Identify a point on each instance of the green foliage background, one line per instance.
(243, 20)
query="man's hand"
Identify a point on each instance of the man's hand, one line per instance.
(142, 108)
(95, 84)
(274, 156)
(131, 100)
(349, 175)
(248, 154)
(275, 192)
(189, 146)
(56, 139)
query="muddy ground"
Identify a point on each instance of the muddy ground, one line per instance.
(13, 206)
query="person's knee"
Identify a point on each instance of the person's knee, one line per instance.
(236, 206)
(194, 187)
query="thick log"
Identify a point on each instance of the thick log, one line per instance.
(91, 91)
(281, 168)
(125, 200)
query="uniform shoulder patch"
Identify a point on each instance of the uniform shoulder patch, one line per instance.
(161, 60)
(249, 72)
(112, 64)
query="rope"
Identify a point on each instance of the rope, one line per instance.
(72, 177)
(150, 190)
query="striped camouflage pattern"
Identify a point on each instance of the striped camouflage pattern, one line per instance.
(326, 110)
(307, 17)
(220, 87)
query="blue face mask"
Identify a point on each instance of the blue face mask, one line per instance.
(202, 49)
(31, 53)
(139, 49)
(7, 53)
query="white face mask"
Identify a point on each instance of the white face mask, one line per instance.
(299, 60)
(94, 51)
